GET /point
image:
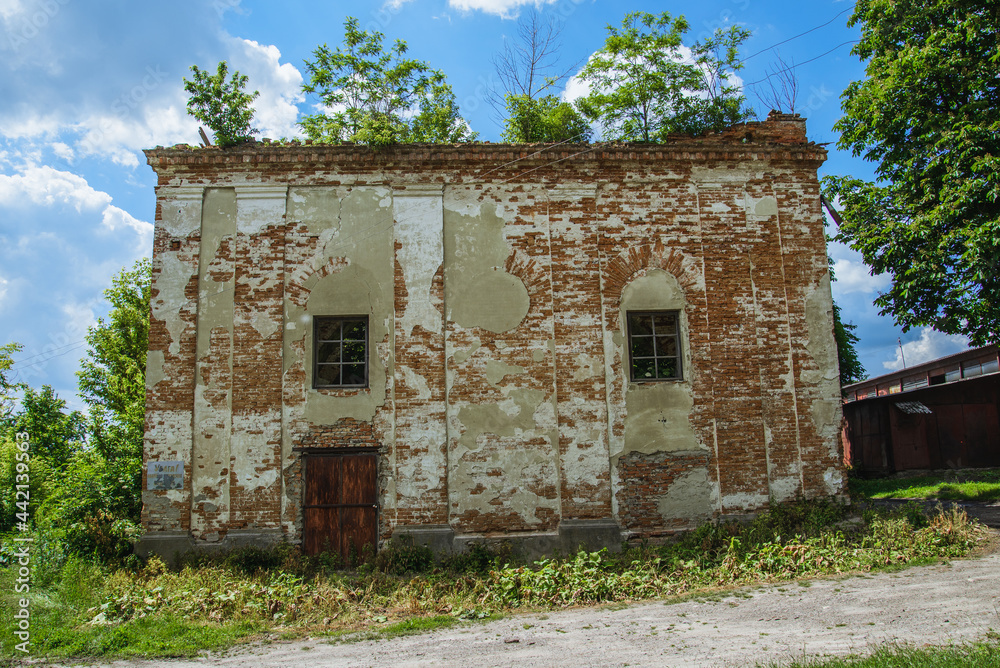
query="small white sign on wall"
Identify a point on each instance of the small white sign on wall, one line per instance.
(165, 475)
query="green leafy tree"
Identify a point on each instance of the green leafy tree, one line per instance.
(851, 368)
(39, 479)
(438, 118)
(112, 378)
(643, 88)
(543, 119)
(7, 387)
(55, 434)
(94, 506)
(378, 97)
(928, 117)
(221, 103)
(526, 69)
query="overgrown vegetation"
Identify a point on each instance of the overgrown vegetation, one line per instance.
(83, 608)
(222, 103)
(971, 655)
(966, 485)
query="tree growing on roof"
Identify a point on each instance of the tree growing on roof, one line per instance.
(222, 103)
(527, 71)
(928, 117)
(645, 84)
(377, 97)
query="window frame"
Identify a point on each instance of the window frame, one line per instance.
(321, 320)
(676, 334)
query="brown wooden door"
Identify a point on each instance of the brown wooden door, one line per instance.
(341, 503)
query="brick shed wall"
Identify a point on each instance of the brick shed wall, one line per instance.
(496, 280)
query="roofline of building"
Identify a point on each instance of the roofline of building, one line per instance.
(916, 369)
(781, 136)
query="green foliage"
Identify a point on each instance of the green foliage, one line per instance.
(7, 387)
(86, 609)
(543, 119)
(643, 88)
(928, 116)
(971, 655)
(377, 97)
(112, 379)
(971, 485)
(479, 557)
(851, 368)
(54, 434)
(402, 557)
(90, 504)
(93, 507)
(222, 104)
(35, 473)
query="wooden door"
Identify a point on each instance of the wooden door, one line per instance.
(341, 503)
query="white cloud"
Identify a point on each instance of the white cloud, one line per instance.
(62, 151)
(4, 283)
(10, 8)
(114, 219)
(79, 317)
(931, 345)
(854, 277)
(503, 8)
(47, 186)
(279, 84)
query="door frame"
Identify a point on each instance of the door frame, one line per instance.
(305, 453)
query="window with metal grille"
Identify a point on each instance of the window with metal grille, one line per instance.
(654, 345)
(340, 351)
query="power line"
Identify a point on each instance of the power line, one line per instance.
(823, 25)
(792, 67)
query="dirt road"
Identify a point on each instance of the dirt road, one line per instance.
(959, 601)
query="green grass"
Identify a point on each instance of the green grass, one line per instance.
(82, 609)
(973, 655)
(982, 486)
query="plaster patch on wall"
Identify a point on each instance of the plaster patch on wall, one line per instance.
(656, 419)
(478, 291)
(689, 498)
(416, 382)
(784, 488)
(264, 324)
(656, 415)
(587, 366)
(744, 501)
(419, 253)
(362, 286)
(167, 305)
(834, 480)
(497, 370)
(154, 368)
(504, 418)
(764, 207)
(253, 458)
(460, 356)
(826, 411)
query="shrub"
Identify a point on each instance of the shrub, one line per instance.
(402, 556)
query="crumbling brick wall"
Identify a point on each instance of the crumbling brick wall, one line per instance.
(497, 280)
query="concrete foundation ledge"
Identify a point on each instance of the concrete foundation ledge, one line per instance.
(439, 537)
(170, 545)
(572, 535)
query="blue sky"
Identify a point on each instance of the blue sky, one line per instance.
(84, 86)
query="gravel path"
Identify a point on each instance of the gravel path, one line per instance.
(958, 601)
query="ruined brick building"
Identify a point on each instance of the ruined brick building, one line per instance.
(559, 345)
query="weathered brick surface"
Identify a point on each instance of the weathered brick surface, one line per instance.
(496, 279)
